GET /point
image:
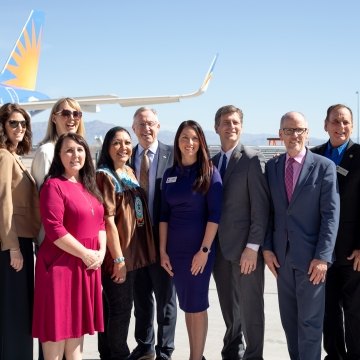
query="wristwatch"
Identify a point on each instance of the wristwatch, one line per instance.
(205, 249)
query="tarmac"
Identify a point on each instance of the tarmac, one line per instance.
(274, 346)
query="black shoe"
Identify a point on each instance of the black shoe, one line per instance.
(138, 354)
(162, 357)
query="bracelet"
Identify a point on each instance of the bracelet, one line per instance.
(119, 260)
(14, 250)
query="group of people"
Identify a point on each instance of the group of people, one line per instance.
(154, 221)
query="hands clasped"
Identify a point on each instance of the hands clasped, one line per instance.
(119, 273)
(93, 259)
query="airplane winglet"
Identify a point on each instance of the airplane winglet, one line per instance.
(205, 83)
(18, 77)
(209, 75)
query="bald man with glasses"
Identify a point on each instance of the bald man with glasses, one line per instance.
(299, 244)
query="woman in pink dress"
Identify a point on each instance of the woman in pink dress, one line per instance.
(68, 301)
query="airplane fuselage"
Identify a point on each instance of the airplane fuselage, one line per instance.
(17, 95)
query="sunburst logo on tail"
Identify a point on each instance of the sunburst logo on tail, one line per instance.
(22, 67)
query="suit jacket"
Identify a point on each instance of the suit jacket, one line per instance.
(19, 202)
(245, 205)
(348, 236)
(307, 226)
(165, 156)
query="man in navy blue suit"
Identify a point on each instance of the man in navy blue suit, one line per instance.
(299, 244)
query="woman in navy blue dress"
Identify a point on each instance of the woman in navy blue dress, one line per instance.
(190, 213)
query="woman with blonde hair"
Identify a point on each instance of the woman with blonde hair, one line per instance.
(65, 116)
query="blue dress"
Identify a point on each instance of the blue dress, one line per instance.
(187, 213)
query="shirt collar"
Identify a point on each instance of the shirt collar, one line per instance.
(299, 158)
(152, 148)
(338, 149)
(229, 152)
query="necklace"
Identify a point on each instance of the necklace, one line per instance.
(82, 193)
(89, 202)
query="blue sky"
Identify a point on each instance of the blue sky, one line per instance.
(274, 56)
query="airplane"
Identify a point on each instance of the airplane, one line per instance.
(18, 77)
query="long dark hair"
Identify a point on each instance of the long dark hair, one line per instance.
(205, 166)
(105, 159)
(87, 172)
(24, 146)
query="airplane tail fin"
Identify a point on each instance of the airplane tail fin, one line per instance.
(21, 67)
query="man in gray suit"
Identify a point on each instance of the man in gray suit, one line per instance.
(300, 241)
(239, 266)
(153, 280)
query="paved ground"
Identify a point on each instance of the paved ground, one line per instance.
(275, 343)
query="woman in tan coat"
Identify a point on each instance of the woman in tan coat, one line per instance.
(19, 225)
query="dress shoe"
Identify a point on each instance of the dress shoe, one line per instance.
(138, 354)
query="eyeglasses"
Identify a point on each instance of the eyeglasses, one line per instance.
(67, 113)
(15, 123)
(292, 131)
(147, 124)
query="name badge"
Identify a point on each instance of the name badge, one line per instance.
(341, 170)
(171, 179)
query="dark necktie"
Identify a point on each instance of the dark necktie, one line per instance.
(223, 166)
(289, 178)
(144, 171)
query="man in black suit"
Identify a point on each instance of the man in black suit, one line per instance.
(153, 279)
(342, 310)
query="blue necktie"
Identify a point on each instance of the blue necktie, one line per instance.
(223, 166)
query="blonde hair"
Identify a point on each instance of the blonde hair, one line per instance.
(51, 135)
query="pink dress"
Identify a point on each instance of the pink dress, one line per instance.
(67, 302)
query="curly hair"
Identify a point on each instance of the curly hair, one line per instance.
(24, 146)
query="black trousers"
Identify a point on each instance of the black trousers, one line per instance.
(16, 305)
(153, 279)
(117, 302)
(342, 313)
